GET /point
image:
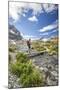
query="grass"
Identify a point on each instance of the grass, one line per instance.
(50, 45)
(32, 79)
(21, 57)
(27, 73)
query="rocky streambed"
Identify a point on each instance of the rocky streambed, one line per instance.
(49, 66)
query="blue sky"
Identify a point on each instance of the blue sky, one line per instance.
(34, 20)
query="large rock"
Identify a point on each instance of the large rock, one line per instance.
(14, 34)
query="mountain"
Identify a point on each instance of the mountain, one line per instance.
(14, 34)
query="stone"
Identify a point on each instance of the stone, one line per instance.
(45, 69)
(54, 73)
(41, 68)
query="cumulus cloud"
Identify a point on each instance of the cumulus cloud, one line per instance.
(44, 33)
(49, 27)
(33, 18)
(17, 9)
(49, 7)
(30, 37)
(45, 39)
(24, 15)
(22, 34)
(37, 8)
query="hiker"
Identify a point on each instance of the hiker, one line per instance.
(29, 45)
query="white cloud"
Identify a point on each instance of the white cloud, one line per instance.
(21, 34)
(44, 33)
(49, 7)
(36, 8)
(33, 18)
(27, 37)
(16, 9)
(49, 27)
(45, 39)
(24, 15)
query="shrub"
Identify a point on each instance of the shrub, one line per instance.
(20, 68)
(53, 51)
(28, 75)
(40, 48)
(32, 80)
(21, 57)
(15, 69)
(30, 67)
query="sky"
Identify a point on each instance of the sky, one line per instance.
(34, 20)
